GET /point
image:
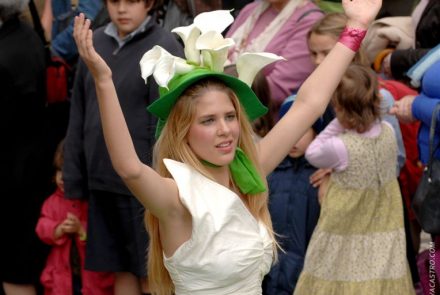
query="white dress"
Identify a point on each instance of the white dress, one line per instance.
(229, 251)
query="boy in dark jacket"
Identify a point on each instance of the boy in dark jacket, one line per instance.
(294, 208)
(117, 240)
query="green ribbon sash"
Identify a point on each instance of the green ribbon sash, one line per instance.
(244, 174)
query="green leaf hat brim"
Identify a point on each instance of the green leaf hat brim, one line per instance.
(168, 97)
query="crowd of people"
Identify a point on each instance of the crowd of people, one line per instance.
(266, 154)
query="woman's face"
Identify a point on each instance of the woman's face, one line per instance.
(213, 134)
(320, 46)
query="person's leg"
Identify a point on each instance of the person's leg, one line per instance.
(127, 284)
(16, 289)
(118, 240)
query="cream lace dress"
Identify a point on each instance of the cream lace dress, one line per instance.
(229, 251)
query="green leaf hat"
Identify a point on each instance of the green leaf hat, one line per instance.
(161, 107)
(206, 53)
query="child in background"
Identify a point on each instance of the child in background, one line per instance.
(358, 246)
(321, 38)
(62, 225)
(294, 208)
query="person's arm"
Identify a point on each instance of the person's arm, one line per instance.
(422, 108)
(46, 19)
(63, 43)
(48, 226)
(327, 150)
(74, 168)
(315, 93)
(386, 103)
(400, 61)
(157, 194)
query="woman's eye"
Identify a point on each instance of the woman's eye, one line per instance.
(207, 121)
(230, 117)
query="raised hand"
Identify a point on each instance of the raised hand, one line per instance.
(83, 37)
(361, 13)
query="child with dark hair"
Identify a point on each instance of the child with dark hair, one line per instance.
(62, 224)
(358, 246)
(294, 208)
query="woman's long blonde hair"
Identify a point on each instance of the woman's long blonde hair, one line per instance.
(172, 144)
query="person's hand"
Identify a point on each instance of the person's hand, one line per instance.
(323, 188)
(319, 176)
(70, 225)
(361, 13)
(83, 38)
(402, 109)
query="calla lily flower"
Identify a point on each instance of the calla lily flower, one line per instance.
(164, 70)
(162, 65)
(249, 64)
(181, 66)
(189, 35)
(167, 67)
(217, 21)
(149, 60)
(214, 49)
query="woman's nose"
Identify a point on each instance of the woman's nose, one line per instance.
(223, 127)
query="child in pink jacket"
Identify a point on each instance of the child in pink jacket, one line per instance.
(62, 224)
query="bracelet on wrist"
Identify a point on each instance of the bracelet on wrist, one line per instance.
(352, 38)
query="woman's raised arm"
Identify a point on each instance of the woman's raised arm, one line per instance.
(157, 194)
(315, 93)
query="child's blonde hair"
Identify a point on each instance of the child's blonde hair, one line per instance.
(172, 144)
(357, 99)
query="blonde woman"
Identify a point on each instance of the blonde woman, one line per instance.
(209, 224)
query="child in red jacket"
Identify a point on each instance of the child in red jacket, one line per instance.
(62, 224)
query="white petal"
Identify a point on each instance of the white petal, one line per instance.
(249, 64)
(217, 20)
(215, 59)
(213, 40)
(184, 32)
(149, 60)
(181, 66)
(164, 70)
(189, 35)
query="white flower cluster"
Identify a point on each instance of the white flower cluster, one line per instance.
(205, 47)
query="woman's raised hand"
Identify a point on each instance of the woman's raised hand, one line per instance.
(361, 13)
(83, 38)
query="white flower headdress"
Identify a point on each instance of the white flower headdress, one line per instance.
(206, 52)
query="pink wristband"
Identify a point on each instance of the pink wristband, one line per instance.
(352, 38)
